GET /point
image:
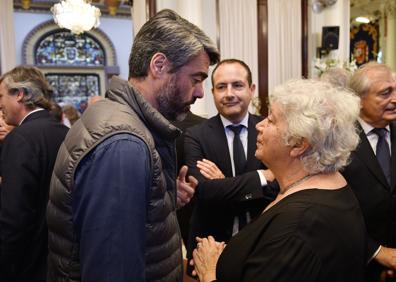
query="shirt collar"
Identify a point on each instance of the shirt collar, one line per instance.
(367, 127)
(243, 122)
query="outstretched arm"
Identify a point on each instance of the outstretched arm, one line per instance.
(213, 187)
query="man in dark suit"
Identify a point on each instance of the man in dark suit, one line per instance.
(372, 171)
(27, 159)
(230, 192)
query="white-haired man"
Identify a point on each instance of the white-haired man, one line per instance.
(372, 171)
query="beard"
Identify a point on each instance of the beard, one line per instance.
(170, 101)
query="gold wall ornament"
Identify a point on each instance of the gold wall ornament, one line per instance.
(112, 6)
(25, 4)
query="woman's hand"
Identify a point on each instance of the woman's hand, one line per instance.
(205, 258)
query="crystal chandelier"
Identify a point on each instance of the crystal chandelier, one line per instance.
(76, 15)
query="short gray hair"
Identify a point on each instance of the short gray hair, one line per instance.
(360, 82)
(323, 115)
(31, 81)
(338, 77)
(172, 35)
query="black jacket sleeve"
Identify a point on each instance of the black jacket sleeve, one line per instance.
(230, 190)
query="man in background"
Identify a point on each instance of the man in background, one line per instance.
(372, 171)
(114, 193)
(338, 77)
(27, 160)
(219, 152)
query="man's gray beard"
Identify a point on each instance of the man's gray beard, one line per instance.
(168, 111)
(181, 116)
(167, 99)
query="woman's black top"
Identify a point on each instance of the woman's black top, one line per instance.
(311, 235)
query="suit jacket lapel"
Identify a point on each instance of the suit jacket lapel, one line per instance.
(366, 154)
(220, 145)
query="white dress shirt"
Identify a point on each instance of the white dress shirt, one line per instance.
(243, 135)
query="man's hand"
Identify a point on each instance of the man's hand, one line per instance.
(387, 257)
(269, 176)
(185, 190)
(209, 169)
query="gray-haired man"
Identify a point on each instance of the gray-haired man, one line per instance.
(113, 195)
(27, 159)
(371, 173)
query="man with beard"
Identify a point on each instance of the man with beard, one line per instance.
(114, 193)
(372, 171)
(230, 193)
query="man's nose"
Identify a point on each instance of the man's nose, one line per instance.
(198, 91)
(393, 96)
(229, 91)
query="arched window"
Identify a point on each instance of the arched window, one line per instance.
(74, 88)
(76, 66)
(62, 48)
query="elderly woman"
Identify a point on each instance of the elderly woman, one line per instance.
(313, 230)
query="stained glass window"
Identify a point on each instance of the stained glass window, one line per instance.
(74, 88)
(61, 48)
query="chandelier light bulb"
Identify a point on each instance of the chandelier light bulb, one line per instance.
(76, 15)
(362, 20)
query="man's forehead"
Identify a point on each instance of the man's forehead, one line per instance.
(3, 87)
(235, 68)
(378, 78)
(198, 63)
(379, 75)
(229, 78)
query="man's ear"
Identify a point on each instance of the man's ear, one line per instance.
(159, 65)
(299, 148)
(252, 89)
(20, 95)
